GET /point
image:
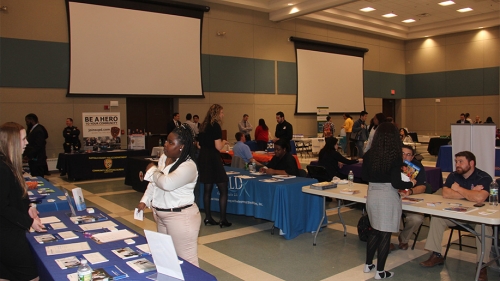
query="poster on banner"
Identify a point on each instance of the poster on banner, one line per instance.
(101, 129)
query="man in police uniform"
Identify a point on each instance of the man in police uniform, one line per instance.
(71, 137)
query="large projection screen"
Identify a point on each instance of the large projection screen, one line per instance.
(329, 75)
(134, 49)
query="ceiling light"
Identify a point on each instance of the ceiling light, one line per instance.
(446, 3)
(290, 4)
(464, 10)
(294, 10)
(367, 9)
(409, 20)
(389, 15)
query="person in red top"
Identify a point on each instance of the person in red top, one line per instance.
(262, 135)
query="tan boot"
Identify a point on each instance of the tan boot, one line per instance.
(433, 261)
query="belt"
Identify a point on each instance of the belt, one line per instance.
(173, 209)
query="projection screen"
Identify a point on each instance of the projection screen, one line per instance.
(134, 48)
(328, 75)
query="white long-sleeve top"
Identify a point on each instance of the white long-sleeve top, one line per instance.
(170, 190)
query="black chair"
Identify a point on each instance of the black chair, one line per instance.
(226, 159)
(318, 172)
(460, 235)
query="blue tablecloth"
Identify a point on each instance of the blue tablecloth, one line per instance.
(284, 203)
(46, 206)
(49, 270)
(445, 159)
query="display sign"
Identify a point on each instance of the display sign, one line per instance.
(101, 128)
(137, 142)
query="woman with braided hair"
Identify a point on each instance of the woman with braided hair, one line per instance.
(170, 193)
(382, 170)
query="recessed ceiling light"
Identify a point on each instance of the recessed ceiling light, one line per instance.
(367, 9)
(409, 20)
(389, 15)
(464, 10)
(446, 3)
(294, 10)
(290, 4)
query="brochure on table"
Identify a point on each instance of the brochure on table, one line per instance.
(164, 255)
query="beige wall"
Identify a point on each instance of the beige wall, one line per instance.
(466, 50)
(250, 34)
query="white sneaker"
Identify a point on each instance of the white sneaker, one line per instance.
(383, 275)
(368, 268)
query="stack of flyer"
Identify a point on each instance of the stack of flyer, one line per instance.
(323, 185)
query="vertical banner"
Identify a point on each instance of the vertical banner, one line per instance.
(101, 128)
(322, 113)
(478, 139)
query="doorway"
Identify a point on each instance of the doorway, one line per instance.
(389, 108)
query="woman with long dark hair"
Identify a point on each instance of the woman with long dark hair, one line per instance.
(382, 169)
(405, 137)
(377, 120)
(16, 215)
(210, 166)
(262, 135)
(329, 158)
(170, 193)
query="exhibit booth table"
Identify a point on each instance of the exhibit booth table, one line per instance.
(96, 165)
(48, 201)
(472, 216)
(49, 270)
(282, 202)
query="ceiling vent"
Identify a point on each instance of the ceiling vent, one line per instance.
(423, 15)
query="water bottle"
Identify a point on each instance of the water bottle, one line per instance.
(159, 142)
(84, 271)
(494, 193)
(350, 178)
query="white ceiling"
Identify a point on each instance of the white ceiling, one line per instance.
(431, 18)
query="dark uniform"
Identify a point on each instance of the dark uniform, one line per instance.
(71, 138)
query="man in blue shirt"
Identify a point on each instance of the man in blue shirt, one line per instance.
(241, 149)
(472, 184)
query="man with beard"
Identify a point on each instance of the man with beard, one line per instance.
(472, 184)
(35, 153)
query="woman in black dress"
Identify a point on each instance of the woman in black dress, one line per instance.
(329, 158)
(16, 215)
(210, 167)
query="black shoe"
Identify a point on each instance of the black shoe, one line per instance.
(210, 222)
(225, 223)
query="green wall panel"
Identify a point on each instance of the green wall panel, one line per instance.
(205, 72)
(491, 81)
(232, 74)
(427, 85)
(379, 85)
(287, 78)
(463, 83)
(33, 64)
(264, 76)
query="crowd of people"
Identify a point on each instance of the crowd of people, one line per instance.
(192, 155)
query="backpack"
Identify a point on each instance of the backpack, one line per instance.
(364, 227)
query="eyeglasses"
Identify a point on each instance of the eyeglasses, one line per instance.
(407, 154)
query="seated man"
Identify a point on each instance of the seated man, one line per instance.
(242, 150)
(470, 183)
(283, 162)
(413, 220)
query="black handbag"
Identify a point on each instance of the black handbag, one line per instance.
(364, 227)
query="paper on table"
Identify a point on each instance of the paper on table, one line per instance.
(488, 212)
(98, 225)
(95, 257)
(67, 235)
(113, 236)
(50, 219)
(67, 248)
(244, 177)
(144, 248)
(58, 225)
(138, 215)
